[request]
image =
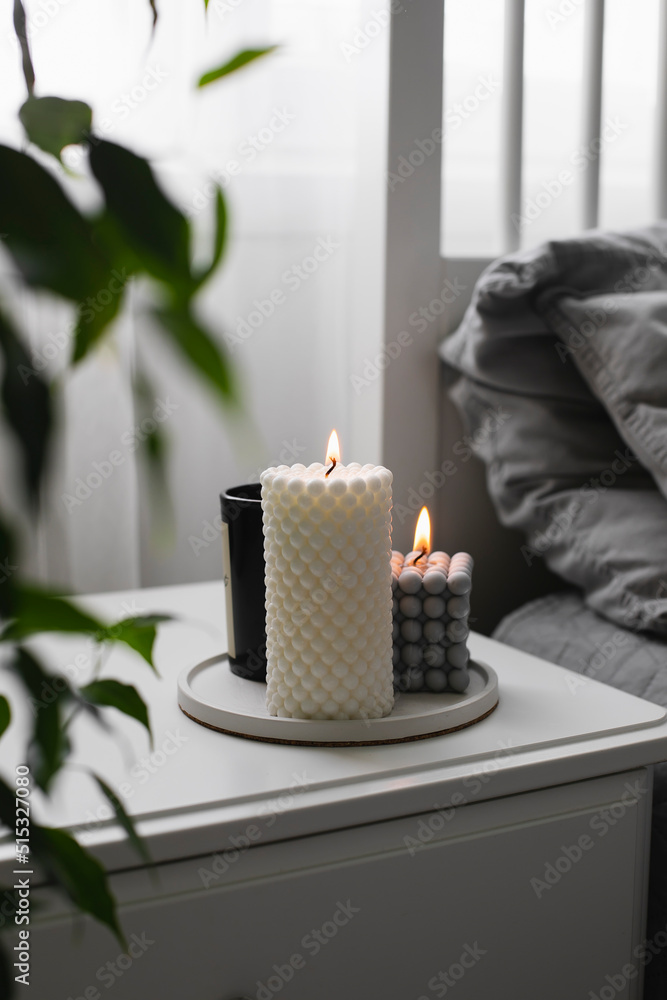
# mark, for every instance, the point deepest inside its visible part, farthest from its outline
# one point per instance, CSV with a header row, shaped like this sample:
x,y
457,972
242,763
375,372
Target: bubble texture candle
x,y
431,607
327,547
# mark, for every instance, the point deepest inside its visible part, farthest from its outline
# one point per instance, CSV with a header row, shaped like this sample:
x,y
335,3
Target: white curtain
x,y
297,141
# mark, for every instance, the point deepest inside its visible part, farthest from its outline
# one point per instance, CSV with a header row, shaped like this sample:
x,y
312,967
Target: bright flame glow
x,y
333,449
423,532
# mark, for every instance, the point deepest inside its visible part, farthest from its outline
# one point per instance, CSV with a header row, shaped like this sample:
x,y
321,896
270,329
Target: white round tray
x,y
212,695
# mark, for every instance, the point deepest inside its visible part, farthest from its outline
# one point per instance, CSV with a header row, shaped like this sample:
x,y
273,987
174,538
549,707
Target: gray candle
x,y
431,607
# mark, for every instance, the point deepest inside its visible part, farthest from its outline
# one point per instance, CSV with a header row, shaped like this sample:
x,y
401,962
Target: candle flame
x,y
423,532
333,448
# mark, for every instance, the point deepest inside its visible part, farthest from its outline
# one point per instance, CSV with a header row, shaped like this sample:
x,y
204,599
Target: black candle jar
x,y
245,591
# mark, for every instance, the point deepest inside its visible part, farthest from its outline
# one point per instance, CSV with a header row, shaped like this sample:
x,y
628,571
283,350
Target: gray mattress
x,y
562,629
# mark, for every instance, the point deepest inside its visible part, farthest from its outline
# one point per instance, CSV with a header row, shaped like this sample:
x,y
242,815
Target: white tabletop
x,y
200,786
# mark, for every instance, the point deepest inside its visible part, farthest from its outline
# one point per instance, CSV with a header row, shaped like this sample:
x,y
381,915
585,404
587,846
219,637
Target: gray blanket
x,y
561,629
571,340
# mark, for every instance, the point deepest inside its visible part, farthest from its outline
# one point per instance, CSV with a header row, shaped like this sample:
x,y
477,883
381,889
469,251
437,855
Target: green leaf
x,y
38,610
49,239
124,697
146,621
53,123
7,573
77,872
220,240
239,60
42,611
109,235
138,633
94,320
7,984
199,348
124,820
154,443
39,684
54,246
49,744
157,232
47,690
22,35
97,311
7,805
27,406
155,448
5,714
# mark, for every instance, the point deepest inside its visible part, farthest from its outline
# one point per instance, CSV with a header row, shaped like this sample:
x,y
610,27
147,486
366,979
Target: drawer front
x,y
537,895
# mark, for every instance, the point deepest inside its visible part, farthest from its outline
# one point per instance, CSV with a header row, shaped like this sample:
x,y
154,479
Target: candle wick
x,y
329,471
417,558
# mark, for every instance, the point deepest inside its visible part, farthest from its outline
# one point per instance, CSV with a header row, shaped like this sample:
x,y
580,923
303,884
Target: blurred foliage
x,y
53,123
237,62
89,261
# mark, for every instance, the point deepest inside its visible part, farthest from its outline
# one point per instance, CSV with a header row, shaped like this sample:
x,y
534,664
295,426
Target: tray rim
x,y
353,732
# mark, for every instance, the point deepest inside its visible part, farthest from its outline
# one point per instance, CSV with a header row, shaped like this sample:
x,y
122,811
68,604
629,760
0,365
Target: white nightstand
x,y
507,860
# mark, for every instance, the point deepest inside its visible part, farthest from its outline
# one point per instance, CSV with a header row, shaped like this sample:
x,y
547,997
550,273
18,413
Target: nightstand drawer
x,y
473,897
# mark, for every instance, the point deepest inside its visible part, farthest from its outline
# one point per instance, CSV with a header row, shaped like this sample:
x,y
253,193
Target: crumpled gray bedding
x,y
570,340
562,629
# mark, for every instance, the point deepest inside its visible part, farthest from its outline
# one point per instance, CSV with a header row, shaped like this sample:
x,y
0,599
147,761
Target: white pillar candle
x,y
327,547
